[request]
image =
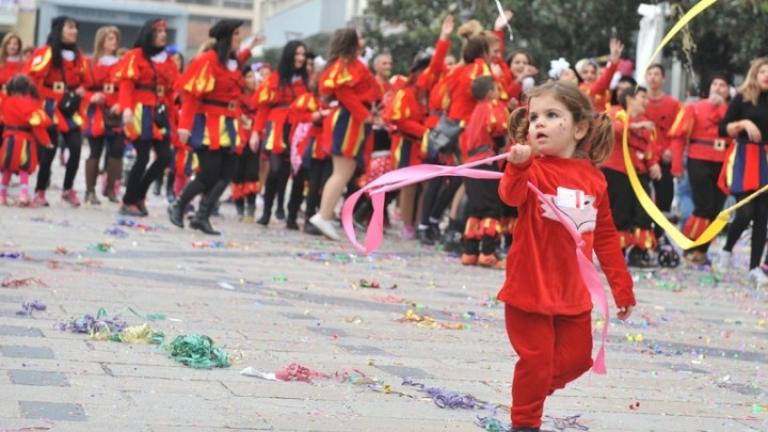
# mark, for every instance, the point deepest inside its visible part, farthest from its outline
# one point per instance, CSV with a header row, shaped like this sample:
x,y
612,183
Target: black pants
x,y
247,168
438,194
297,193
319,172
483,196
277,180
757,213
664,191
627,211
708,199
215,166
113,143
141,177
72,141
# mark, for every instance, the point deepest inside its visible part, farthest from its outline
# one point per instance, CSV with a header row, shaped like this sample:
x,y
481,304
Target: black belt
x,y
718,144
18,128
230,105
477,150
159,90
106,88
58,86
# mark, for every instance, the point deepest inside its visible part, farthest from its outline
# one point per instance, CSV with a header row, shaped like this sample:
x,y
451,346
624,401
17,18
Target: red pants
x,y
553,350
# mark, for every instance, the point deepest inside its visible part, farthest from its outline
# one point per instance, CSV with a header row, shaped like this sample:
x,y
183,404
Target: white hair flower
x,y
556,67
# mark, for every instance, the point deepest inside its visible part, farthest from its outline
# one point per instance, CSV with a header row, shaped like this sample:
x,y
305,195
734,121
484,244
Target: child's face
x,y
551,131
494,94
638,103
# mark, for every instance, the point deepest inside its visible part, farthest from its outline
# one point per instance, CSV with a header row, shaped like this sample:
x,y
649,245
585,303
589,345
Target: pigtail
x,y
518,126
600,138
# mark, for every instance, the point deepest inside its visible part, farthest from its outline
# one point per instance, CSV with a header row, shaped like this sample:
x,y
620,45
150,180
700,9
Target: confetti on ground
x,y
61,250
12,254
198,351
98,326
429,322
130,223
116,232
30,306
104,247
23,282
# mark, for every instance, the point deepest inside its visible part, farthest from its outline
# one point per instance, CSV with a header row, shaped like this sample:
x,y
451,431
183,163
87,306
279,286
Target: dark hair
x,y
146,38
517,53
658,66
344,44
181,56
222,31
54,38
721,76
625,79
481,86
475,47
286,68
630,92
597,143
21,85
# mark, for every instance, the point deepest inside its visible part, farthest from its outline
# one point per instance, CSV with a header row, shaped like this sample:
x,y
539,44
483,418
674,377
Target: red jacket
x,y
311,144
696,127
272,101
352,84
26,126
487,124
9,69
103,81
598,91
662,112
642,145
142,82
542,270
459,89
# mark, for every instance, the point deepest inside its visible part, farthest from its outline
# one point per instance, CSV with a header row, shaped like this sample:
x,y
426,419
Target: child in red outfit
x,y
25,127
548,306
484,135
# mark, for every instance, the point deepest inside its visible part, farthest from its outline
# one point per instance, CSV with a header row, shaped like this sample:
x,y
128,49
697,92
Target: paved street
x,y
694,357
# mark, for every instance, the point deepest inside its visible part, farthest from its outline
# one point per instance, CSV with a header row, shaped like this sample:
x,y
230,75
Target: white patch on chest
x,y
575,205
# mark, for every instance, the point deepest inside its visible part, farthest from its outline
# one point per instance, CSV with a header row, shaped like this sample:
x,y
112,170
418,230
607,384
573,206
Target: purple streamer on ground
x,y
28,307
448,399
92,324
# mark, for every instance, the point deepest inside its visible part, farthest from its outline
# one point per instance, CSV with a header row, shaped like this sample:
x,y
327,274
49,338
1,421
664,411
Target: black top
x,y
739,109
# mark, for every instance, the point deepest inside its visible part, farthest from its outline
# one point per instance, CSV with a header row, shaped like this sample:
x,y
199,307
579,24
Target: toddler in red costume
x,y
559,139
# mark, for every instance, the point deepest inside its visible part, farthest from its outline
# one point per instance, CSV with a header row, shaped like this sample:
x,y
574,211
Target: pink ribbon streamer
x,y
400,178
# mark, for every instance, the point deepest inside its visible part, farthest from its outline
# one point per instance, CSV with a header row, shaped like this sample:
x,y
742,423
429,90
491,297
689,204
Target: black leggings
x,y
708,199
319,171
664,192
247,169
141,177
72,141
215,166
757,213
114,144
438,195
279,172
625,207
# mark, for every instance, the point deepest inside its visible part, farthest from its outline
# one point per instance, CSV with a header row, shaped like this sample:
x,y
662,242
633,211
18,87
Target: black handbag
x,y
444,138
69,104
160,115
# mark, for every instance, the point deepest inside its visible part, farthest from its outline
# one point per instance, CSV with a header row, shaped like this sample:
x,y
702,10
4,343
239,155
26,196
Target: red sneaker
x,y
70,196
40,200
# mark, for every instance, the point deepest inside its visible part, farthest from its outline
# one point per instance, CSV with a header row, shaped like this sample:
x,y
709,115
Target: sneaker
x,y
291,225
468,260
280,214
130,210
426,235
408,232
724,261
311,229
40,200
452,241
758,277
142,206
325,227
24,200
70,196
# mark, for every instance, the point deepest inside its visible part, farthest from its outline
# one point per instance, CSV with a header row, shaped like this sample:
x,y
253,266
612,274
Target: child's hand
x,y
625,312
519,154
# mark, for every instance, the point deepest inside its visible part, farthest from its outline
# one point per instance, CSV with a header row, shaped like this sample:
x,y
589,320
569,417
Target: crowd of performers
x,y
225,122
330,126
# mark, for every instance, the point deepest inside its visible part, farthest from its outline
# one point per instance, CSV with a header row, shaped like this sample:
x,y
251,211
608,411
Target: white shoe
x,y
325,227
724,261
758,276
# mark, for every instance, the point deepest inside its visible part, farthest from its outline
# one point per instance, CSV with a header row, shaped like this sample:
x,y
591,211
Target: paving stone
x,y
38,378
9,330
326,331
26,352
365,350
405,372
52,411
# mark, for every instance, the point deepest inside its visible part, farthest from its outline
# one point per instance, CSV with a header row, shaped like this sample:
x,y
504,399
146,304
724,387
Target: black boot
x,y
240,207
201,220
290,223
176,214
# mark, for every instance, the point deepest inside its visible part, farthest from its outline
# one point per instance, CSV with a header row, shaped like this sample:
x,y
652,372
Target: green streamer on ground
x,y
198,351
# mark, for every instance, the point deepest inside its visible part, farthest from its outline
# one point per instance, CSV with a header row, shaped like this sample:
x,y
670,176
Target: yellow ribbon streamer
x,y
713,229
700,7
